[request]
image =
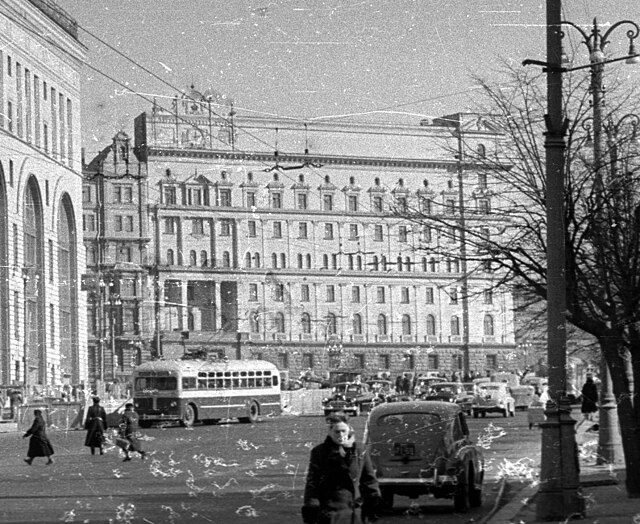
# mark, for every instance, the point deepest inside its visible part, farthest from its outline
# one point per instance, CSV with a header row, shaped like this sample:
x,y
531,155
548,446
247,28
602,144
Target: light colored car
x,y
423,448
493,397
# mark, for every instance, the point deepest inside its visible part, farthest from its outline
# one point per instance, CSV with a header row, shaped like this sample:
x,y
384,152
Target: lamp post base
x,y
609,439
559,497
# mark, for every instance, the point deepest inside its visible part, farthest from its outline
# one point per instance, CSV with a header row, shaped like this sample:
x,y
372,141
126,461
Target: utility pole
x,y
559,495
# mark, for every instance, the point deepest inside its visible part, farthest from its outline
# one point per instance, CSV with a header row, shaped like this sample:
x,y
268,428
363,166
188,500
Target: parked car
x,y
493,397
423,448
350,397
382,390
423,384
450,392
466,397
523,396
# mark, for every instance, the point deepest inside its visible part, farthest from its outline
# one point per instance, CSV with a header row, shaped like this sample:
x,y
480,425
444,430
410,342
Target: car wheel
x,y
505,412
475,493
387,498
254,412
461,501
484,414
145,424
189,416
475,413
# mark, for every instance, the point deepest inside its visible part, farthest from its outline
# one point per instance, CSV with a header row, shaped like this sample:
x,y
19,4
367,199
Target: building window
x,y
455,325
450,206
86,194
429,296
302,230
169,226
170,257
331,293
89,222
382,324
482,180
305,323
277,230
276,200
307,361
195,196
357,324
359,360
123,254
352,203
226,259
491,362
328,231
224,197
384,361
253,292
332,324
404,295
304,293
380,295
488,296
251,199
378,235
406,325
225,227
252,229
278,293
274,260
484,206
327,202
278,323
481,150
193,258
203,258
353,231
377,204
170,195
431,325
302,201
283,360
488,326
355,294
427,235
123,194
433,362
197,226
119,222
453,295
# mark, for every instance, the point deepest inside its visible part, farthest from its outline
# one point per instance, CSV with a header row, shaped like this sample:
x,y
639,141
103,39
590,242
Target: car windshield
x,y
442,388
353,389
491,388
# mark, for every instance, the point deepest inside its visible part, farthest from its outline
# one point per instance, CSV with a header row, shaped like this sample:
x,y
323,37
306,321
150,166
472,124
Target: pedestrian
x,y
95,425
128,429
589,398
341,486
39,445
399,384
15,401
406,385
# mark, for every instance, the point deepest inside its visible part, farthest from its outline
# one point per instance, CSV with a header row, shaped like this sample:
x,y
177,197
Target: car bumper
x,y
439,481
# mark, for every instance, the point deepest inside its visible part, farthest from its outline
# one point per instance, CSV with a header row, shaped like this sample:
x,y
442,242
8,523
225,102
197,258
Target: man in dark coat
x,y
589,398
128,429
95,425
39,445
341,486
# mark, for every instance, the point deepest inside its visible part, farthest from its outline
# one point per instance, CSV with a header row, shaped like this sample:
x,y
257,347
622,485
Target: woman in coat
x,y
589,398
39,445
341,486
95,425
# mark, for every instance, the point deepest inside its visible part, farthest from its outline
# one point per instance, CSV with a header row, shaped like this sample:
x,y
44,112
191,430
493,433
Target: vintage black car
x,y
349,397
423,448
450,392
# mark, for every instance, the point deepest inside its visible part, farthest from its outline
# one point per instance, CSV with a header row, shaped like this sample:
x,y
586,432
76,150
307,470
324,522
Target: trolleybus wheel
x,y
254,413
189,416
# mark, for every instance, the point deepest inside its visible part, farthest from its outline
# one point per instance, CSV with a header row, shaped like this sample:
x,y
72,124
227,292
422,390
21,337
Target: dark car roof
x,y
443,409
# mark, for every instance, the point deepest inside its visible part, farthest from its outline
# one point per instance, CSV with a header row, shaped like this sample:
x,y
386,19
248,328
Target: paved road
x,y
223,474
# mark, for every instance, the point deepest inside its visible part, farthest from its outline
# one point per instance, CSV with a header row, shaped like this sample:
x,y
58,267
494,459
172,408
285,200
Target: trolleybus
x,y
190,391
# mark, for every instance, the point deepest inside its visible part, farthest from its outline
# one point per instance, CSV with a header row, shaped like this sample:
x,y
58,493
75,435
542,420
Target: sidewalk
x,y
606,500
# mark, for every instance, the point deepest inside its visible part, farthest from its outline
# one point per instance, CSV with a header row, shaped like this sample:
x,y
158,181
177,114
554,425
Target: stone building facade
x,y
310,244
42,321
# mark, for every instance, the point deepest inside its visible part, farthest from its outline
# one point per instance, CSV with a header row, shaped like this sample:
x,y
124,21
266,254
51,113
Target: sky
x,y
309,59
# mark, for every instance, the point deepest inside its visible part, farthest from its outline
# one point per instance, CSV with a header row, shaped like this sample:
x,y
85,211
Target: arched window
x,y
256,259
247,261
191,321
383,263
300,261
226,259
305,322
274,260
407,263
399,263
193,258
382,324
332,324
283,260
374,263
170,259
481,150
359,260
357,324
425,267
433,265
325,261
278,322
350,262
455,326
488,326
431,325
406,325
203,259
334,261
254,322
308,261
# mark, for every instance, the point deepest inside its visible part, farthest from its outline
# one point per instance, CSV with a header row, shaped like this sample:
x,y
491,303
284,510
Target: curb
x,y
496,504
506,513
